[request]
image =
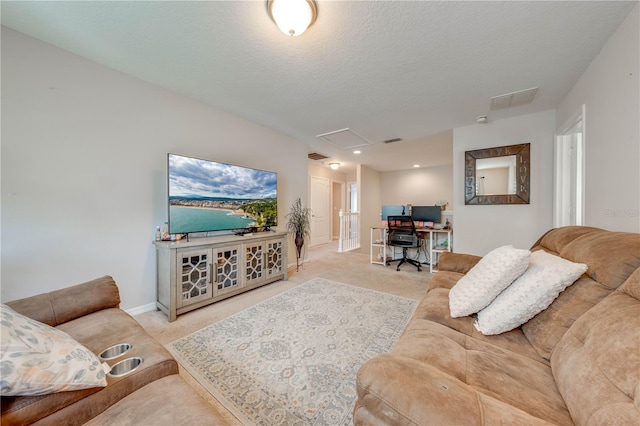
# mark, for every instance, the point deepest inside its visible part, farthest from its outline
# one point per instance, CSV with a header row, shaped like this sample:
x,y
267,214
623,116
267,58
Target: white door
x,y
320,211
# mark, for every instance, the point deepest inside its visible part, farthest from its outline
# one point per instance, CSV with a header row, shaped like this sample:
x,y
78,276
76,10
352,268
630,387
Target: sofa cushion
x,y
530,294
38,359
435,307
611,256
556,239
597,362
457,262
148,406
413,393
433,371
492,274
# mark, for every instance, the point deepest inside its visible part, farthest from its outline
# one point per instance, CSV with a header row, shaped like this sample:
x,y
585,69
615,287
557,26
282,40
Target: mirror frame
x,y
522,153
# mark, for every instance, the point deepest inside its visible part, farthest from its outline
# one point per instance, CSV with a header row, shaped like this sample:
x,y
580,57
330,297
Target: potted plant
x,y
442,204
299,225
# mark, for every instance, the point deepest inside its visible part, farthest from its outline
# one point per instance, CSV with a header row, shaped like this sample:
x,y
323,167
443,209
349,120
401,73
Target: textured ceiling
x,y
384,69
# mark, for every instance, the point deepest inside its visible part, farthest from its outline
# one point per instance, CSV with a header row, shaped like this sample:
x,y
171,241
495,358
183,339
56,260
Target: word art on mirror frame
x,y
517,188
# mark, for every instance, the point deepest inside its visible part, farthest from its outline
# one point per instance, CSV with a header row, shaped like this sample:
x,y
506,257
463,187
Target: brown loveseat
x,y
577,362
152,394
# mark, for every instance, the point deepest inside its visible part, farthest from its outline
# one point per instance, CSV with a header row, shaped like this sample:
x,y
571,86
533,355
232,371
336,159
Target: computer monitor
x,y
393,211
426,214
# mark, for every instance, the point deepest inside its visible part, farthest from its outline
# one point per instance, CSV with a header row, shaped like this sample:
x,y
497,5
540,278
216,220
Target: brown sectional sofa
x,y
577,362
153,394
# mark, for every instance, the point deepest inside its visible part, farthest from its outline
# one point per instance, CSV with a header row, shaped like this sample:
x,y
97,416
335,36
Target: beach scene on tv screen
x,y
210,196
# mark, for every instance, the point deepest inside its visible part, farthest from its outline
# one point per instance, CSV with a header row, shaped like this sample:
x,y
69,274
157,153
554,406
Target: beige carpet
x,y
322,261
292,359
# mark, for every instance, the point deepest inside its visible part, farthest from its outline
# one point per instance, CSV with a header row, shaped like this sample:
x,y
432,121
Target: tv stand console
x,y
195,273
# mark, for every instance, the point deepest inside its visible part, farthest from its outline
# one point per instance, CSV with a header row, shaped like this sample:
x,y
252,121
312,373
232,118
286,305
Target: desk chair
x,y
402,233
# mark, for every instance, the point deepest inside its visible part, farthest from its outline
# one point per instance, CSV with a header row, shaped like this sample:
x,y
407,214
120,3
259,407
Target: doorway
x,y
320,202
569,185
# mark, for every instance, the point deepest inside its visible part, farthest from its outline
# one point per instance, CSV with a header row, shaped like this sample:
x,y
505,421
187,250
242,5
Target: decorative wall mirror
x,y
497,175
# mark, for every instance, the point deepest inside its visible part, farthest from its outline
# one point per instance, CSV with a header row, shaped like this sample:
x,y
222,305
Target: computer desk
x,y
433,239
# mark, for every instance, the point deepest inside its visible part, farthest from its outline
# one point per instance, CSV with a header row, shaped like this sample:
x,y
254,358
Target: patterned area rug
x,y
292,359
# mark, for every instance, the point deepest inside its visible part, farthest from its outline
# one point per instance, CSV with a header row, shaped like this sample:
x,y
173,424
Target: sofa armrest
x,y
457,262
60,306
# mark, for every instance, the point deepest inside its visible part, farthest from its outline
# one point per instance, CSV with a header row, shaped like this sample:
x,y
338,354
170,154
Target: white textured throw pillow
x,y
492,274
37,359
532,293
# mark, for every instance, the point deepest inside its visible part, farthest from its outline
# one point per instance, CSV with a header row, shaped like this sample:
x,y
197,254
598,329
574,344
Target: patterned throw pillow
x,y
37,359
532,293
484,282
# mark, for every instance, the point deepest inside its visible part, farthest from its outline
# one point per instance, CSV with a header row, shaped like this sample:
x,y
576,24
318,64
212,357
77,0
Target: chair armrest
x,y
60,306
457,262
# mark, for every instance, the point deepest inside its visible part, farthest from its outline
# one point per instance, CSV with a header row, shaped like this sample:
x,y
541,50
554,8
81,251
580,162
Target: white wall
x,y
479,229
370,202
610,91
84,168
419,187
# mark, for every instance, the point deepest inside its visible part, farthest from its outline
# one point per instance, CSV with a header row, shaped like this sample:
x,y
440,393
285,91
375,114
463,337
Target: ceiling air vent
x,y
316,156
513,99
392,140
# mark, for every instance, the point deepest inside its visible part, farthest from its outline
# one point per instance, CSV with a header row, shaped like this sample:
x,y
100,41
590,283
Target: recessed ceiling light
x,y
357,151
416,165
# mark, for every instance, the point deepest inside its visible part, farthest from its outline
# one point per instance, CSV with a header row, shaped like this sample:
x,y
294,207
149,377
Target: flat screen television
x,y
426,214
208,196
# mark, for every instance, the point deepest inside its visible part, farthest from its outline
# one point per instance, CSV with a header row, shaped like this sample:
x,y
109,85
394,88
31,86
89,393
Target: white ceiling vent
x,y
513,99
345,139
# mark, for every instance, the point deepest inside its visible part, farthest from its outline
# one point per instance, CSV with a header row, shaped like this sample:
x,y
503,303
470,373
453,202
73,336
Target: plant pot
x,y
299,241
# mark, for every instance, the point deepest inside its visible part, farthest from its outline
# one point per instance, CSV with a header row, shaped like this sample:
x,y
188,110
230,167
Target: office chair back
x,y
402,231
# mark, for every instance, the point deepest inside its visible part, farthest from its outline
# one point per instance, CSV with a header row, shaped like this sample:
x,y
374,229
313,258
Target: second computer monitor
x,y
426,214
393,211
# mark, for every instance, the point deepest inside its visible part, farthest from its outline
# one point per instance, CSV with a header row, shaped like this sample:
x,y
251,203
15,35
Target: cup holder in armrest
x,y
114,351
125,366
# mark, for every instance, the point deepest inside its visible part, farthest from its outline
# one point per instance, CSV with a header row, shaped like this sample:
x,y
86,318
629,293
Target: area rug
x,y
292,359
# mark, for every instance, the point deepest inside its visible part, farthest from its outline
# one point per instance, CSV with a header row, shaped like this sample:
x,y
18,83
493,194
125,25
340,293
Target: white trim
x,y
340,207
141,309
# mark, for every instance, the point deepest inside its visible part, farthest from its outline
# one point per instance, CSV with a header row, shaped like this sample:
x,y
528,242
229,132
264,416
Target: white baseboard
x,y
141,309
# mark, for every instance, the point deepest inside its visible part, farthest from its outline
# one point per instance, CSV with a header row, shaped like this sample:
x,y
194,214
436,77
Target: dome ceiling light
x,y
293,17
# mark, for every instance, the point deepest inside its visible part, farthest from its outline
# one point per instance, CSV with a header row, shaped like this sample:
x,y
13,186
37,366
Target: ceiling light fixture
x,y
334,166
293,17
357,151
